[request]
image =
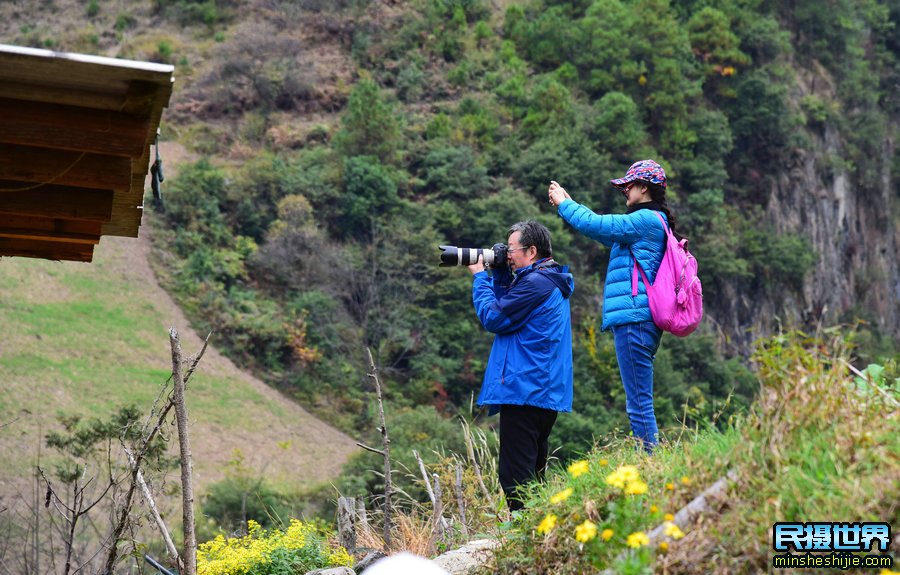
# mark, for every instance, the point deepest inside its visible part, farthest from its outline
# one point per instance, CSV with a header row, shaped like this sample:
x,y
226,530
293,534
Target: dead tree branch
x,y
187,488
388,520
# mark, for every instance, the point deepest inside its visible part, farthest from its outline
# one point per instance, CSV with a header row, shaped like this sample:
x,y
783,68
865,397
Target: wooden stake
x,y
347,523
460,500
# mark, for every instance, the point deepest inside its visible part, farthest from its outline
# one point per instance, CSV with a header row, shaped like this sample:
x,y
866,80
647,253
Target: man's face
x,y
518,255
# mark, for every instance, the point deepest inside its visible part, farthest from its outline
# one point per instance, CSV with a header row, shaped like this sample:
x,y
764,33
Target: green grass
x,y
88,339
817,446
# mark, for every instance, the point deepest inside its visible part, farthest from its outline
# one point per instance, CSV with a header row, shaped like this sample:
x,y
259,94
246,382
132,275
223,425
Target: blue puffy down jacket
x,y
531,358
638,233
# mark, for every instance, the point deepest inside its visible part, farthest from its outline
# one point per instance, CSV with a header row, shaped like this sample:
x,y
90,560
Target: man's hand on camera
x,y
477,266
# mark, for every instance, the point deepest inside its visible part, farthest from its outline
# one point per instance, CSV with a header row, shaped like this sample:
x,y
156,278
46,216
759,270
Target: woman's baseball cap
x,y
644,170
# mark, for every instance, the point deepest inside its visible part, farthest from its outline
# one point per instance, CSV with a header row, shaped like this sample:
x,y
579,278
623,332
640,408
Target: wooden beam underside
x,y
58,202
46,250
75,146
50,229
71,128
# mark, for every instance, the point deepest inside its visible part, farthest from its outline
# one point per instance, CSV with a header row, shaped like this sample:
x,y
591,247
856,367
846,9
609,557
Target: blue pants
x,y
636,345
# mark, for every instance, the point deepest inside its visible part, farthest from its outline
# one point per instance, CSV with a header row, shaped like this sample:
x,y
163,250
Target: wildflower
x,y
637,539
664,546
635,487
547,524
561,496
685,480
669,517
670,486
578,468
586,531
672,530
607,534
604,462
624,474
654,509
728,71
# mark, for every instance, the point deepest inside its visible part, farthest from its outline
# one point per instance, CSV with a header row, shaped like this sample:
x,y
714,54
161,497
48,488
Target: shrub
x,y
297,549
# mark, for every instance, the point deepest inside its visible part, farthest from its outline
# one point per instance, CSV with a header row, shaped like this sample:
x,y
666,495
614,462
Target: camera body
x,y
455,256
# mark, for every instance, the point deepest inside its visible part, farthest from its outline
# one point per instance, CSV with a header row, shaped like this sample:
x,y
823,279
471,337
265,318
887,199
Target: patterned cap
x,y
646,171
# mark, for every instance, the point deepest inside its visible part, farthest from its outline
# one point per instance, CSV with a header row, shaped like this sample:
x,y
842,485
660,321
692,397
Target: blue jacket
x,y
531,359
638,233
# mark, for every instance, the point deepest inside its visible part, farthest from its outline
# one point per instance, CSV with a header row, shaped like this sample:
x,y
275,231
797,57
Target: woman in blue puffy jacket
x,y
634,237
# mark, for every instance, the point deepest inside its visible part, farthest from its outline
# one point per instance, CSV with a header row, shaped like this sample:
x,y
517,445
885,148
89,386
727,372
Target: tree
x,y
370,124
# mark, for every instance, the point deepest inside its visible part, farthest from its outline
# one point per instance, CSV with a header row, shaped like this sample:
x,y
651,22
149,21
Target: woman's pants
x,y
636,345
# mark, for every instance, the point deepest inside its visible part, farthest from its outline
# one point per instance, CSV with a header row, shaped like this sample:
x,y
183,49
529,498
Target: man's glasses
x,y
515,249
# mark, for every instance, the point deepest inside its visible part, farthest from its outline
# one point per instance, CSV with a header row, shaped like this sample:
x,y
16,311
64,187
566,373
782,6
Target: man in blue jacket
x,y
529,374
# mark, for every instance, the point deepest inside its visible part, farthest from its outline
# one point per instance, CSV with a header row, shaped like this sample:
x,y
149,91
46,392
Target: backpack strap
x,y
634,272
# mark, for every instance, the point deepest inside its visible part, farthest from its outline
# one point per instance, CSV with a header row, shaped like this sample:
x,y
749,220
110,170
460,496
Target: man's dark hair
x,y
533,234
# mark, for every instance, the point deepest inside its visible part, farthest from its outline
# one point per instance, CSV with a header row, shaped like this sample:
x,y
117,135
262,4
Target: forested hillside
x,y
341,142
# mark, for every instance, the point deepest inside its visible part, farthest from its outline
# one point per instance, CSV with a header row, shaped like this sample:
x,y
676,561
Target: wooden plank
x,y
52,93
124,222
58,202
26,166
78,70
46,250
50,229
72,128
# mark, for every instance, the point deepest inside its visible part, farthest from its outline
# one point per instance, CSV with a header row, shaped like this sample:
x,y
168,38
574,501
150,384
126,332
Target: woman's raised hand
x,y
557,193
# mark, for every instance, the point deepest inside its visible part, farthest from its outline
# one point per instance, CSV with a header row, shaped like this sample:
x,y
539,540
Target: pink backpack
x,y
676,299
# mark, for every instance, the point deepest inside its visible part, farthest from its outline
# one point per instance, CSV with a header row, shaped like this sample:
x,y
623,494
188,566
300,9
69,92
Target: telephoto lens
x,y
454,256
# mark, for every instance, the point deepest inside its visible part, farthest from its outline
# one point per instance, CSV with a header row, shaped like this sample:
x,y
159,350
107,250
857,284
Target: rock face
x,y
851,217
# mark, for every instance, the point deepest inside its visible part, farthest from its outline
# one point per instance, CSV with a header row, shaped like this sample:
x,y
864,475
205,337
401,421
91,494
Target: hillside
x,y
334,145
87,339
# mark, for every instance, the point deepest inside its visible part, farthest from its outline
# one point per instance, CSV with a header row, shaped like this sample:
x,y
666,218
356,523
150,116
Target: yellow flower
x,y
685,480
664,546
604,463
637,539
888,572
607,534
637,487
629,472
669,517
615,479
586,531
547,525
578,468
561,496
670,486
672,530
642,80
654,509
624,476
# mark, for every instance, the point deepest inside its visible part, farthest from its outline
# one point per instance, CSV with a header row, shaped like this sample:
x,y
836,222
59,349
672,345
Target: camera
x,y
454,256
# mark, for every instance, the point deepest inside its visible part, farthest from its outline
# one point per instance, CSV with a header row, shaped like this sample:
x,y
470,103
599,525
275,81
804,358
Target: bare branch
x,y
372,449
145,489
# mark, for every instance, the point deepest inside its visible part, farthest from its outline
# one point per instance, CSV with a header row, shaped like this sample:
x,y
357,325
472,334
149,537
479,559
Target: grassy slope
x,y
88,338
817,446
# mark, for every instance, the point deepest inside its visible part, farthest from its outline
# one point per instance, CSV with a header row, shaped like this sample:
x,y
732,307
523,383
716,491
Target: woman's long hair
x,y
658,195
